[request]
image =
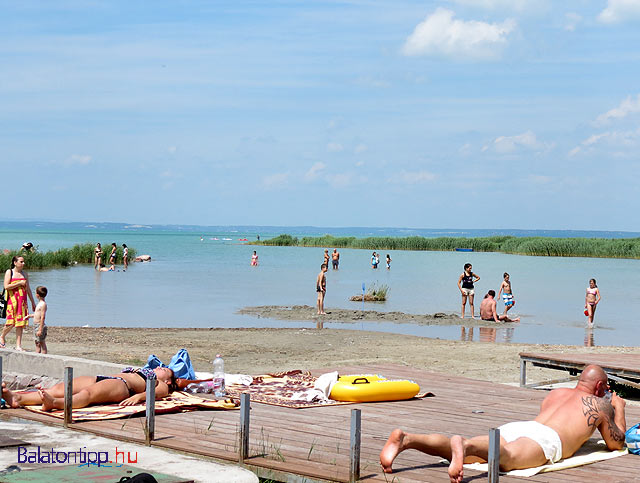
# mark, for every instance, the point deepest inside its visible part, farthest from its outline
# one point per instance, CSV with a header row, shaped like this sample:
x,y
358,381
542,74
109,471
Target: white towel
x,y
589,453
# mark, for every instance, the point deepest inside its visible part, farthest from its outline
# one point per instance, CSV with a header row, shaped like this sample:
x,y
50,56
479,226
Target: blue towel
x,y
180,364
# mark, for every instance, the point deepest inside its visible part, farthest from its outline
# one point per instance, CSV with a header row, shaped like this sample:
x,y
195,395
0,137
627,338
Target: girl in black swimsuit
x,y
467,289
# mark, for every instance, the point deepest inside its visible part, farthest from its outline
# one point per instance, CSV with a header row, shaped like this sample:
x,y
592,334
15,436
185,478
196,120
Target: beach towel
x,y
176,402
180,364
293,389
591,452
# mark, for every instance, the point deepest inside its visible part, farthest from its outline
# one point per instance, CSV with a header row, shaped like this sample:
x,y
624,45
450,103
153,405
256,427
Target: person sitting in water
x,y
102,268
567,419
488,309
126,388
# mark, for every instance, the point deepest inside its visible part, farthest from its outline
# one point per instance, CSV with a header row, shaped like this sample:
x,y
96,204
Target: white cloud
x,y
360,148
619,11
412,177
77,160
616,140
510,144
276,180
335,147
572,21
315,171
172,149
626,107
359,164
440,34
517,5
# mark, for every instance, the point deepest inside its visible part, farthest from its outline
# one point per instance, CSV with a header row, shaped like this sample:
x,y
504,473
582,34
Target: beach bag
x,y
632,438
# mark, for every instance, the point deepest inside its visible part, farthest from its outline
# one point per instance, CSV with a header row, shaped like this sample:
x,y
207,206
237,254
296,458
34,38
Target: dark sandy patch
x,y
308,313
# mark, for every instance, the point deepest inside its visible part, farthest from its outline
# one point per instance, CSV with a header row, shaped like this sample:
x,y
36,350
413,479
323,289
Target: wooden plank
x,y
313,443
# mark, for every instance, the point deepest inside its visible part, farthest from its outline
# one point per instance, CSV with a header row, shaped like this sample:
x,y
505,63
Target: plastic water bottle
x,y
218,377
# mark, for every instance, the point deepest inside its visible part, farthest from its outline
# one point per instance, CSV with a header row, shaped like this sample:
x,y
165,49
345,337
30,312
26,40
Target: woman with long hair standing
x,y
16,283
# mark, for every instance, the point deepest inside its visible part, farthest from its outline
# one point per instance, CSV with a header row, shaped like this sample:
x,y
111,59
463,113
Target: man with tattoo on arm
x,y
567,419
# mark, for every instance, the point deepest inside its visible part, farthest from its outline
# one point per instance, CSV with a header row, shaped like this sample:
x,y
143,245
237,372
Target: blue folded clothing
x,y
180,364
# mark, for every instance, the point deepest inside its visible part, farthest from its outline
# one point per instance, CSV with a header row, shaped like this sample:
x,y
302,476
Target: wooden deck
x,y
313,444
623,368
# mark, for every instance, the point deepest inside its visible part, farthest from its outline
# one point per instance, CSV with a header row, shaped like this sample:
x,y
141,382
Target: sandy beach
x,y
257,351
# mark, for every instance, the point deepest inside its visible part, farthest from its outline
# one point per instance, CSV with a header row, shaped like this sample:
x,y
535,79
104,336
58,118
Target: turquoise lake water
x,y
202,283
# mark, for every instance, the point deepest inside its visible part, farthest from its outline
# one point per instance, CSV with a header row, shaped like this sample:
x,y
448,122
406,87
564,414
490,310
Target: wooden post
x,y
494,455
68,395
354,456
245,408
150,426
523,373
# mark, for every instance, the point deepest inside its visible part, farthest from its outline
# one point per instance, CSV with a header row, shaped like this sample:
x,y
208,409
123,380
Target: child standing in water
x,y
388,262
254,259
591,300
507,294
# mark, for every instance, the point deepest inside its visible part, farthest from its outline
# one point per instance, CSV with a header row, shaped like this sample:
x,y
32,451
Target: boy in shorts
x,y
39,329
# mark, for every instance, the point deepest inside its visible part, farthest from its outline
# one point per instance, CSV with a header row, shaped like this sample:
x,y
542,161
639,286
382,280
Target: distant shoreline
x,y
628,248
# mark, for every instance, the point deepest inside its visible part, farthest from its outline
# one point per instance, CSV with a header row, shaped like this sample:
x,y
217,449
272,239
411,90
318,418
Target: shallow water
x,y
202,283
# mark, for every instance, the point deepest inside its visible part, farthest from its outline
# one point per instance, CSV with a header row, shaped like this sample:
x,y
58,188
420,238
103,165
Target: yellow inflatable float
x,y
372,387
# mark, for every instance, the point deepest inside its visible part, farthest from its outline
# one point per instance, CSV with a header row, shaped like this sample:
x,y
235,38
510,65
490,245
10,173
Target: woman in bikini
x,y
127,388
591,300
16,283
112,257
98,256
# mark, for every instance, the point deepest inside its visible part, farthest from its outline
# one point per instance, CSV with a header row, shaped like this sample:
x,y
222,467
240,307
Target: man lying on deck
x,y
126,388
567,419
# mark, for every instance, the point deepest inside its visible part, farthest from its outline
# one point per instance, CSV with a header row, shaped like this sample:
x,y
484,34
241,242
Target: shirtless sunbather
x,y
488,309
567,419
126,388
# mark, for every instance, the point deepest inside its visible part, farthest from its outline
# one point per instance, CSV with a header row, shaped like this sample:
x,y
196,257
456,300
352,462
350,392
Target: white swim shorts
x,y
468,291
546,437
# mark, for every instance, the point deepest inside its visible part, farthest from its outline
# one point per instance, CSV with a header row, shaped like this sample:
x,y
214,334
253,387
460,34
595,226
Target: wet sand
x,y
258,351
308,313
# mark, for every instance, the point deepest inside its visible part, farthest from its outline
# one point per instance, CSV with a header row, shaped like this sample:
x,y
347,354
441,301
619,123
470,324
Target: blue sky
x,y
435,114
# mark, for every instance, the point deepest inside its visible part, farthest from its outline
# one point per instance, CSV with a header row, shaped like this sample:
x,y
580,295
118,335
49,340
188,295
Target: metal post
x,y
494,455
0,369
523,373
245,407
68,395
354,457
150,426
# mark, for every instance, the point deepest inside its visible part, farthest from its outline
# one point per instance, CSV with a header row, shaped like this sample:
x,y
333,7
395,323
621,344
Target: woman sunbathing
x,y
127,388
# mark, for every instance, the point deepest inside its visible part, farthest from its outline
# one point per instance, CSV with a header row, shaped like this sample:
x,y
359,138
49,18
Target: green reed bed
x,y
535,246
63,257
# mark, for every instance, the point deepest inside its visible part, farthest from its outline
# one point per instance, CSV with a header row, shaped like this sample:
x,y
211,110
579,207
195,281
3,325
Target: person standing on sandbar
x,y
321,288
468,278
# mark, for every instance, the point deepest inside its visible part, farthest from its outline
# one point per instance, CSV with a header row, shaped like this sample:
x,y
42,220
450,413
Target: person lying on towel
x,y
567,419
126,388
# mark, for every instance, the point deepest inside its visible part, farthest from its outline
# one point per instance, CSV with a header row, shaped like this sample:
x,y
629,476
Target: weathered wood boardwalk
x,y
314,443
624,368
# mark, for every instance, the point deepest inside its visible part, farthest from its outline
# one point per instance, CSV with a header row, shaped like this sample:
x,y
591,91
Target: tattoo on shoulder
x,y
591,410
594,408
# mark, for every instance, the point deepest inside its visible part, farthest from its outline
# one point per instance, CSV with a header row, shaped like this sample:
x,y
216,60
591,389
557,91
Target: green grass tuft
x,y
64,257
